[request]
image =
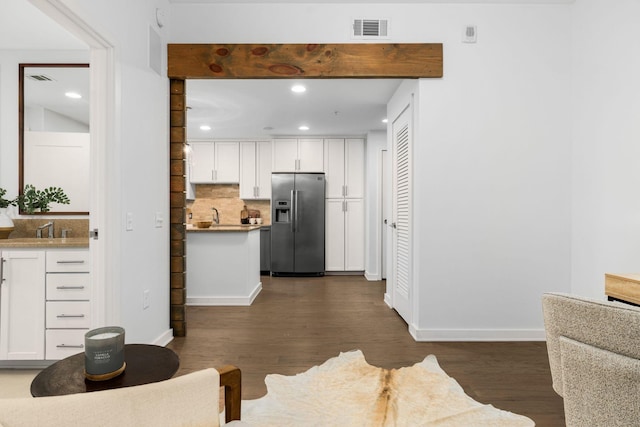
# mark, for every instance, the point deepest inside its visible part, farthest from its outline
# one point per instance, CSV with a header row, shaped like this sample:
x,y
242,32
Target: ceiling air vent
x,y
40,77
370,28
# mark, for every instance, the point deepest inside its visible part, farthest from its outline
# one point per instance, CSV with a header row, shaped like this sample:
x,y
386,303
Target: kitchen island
x,y
223,265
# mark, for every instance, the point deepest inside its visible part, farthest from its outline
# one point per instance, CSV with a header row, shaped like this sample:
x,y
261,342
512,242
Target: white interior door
x,y
401,209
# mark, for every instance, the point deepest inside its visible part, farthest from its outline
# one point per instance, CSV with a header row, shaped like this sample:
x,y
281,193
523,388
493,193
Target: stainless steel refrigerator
x,y
297,223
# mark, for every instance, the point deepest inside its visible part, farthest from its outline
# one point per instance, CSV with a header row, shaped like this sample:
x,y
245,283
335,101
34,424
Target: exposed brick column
x,y
177,203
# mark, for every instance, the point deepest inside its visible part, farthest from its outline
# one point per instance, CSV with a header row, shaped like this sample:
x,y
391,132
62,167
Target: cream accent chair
x,y
594,355
188,400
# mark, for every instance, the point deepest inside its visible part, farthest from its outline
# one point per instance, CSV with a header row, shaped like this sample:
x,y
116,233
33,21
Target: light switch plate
x,y
129,221
159,220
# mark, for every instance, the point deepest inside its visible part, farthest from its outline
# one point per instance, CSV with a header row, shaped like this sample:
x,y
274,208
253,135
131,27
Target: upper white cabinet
x,y
298,155
22,310
344,167
215,162
255,170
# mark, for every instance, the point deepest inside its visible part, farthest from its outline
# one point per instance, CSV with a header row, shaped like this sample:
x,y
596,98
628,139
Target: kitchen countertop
x,y
30,242
224,227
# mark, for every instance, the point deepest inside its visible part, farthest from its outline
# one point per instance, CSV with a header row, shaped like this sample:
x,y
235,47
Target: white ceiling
x,y
233,108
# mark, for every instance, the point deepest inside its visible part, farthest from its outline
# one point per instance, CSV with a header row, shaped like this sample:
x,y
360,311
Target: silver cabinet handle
x,y
393,225
67,316
70,346
70,262
69,287
2,279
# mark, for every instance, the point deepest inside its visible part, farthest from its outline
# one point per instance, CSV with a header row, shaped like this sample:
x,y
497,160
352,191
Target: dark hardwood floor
x,y
296,323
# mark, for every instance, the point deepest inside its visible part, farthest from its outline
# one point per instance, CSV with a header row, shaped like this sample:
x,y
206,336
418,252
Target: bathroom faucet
x,y
48,225
216,216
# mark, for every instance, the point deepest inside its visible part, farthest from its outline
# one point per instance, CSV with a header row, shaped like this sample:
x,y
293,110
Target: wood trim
x,y
177,203
363,60
231,380
272,61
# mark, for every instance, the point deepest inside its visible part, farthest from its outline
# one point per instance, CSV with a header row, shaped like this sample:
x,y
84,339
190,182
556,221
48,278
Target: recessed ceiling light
x,y
205,127
303,128
298,88
384,120
73,95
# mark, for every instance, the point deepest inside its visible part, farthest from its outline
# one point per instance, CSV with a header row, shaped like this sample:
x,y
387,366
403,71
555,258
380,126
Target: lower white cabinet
x,y
44,303
344,235
68,303
22,294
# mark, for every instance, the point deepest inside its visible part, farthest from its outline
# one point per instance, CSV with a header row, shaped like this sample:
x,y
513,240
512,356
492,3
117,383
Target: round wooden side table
x,y
145,364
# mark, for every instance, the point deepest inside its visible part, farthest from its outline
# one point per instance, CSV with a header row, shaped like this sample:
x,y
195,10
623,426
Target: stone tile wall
x,y
27,227
226,199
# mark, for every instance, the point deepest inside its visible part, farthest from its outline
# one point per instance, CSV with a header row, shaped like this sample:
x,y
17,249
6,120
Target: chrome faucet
x,y
216,216
48,225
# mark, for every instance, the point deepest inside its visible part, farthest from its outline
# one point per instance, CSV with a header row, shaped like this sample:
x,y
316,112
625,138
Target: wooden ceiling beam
x,y
362,60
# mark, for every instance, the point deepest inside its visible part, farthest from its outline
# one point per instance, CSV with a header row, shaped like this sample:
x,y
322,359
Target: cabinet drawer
x,y
61,343
68,286
68,314
67,261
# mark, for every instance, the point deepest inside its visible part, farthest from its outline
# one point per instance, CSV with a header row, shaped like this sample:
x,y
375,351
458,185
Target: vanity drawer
x,y
68,314
67,261
61,343
68,286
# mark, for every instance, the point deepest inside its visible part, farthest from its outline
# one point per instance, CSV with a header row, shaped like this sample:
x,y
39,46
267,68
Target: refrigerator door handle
x,y
292,212
295,210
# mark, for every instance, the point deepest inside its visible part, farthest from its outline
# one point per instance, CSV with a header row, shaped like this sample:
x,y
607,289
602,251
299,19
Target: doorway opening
x,y
274,61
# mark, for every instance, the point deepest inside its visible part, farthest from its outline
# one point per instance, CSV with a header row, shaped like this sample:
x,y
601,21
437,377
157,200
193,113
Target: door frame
x,y
267,61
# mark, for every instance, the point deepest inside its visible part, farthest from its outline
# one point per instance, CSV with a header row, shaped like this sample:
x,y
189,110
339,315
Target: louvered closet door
x,y
401,215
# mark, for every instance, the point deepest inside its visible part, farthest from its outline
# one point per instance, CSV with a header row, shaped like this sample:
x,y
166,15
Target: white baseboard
x,y
387,300
422,335
372,277
226,301
165,338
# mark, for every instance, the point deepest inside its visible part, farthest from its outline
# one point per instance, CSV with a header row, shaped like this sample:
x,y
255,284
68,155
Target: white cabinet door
x,y
344,167
202,163
285,155
263,170
310,155
354,235
334,167
255,170
22,296
247,170
354,168
334,235
227,163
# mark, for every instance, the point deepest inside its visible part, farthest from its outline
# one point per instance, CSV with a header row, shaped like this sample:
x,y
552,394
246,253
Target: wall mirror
x,y
54,141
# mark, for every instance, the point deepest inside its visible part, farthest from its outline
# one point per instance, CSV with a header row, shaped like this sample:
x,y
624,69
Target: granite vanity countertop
x,y
30,242
224,227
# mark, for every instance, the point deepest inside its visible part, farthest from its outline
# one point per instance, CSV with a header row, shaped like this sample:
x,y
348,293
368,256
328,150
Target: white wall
x,y
606,148
492,151
139,157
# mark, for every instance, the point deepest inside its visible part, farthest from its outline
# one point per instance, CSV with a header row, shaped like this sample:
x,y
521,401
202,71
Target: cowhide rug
x,y
347,391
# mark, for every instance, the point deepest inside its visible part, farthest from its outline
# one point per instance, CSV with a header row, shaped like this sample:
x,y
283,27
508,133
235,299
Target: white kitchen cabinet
x,y
298,155
344,166
68,302
344,235
22,309
255,170
215,162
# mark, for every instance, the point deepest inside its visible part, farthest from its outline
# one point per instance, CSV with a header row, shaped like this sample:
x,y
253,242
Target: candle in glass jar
x,y
104,353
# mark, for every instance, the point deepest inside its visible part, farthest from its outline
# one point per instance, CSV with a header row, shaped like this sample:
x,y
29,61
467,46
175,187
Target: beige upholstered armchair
x,y
188,400
594,354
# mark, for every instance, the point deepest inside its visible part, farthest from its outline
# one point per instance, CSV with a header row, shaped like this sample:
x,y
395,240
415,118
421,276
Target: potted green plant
x,y
6,223
33,200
